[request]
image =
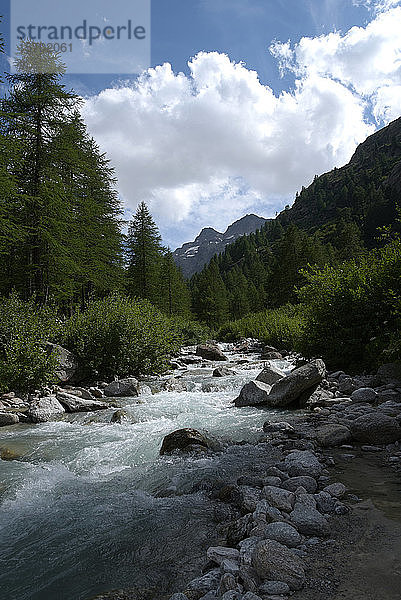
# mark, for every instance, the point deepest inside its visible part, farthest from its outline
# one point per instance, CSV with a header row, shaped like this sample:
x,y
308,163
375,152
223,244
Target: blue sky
x,y
246,123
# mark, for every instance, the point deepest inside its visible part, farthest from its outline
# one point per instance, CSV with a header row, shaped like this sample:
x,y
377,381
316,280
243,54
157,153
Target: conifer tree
x,y
175,298
145,253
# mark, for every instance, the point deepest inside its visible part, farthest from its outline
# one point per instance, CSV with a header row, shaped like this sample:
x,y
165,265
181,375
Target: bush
x,y
24,328
121,336
354,311
280,327
192,332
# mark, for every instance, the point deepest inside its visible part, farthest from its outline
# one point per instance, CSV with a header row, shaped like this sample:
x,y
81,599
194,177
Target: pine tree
x,y
145,254
174,297
210,299
63,198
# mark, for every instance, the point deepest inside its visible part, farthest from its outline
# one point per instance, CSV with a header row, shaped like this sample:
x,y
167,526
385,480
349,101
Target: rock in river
x,y
74,404
271,560
45,409
210,352
183,439
270,375
253,393
8,418
291,388
124,388
376,428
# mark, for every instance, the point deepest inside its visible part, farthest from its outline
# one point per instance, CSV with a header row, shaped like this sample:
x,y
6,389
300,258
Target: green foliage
x,y
119,336
58,208
280,327
354,310
25,364
192,332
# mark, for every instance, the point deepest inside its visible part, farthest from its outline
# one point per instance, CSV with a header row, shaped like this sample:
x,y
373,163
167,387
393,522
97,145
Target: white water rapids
x,y
90,506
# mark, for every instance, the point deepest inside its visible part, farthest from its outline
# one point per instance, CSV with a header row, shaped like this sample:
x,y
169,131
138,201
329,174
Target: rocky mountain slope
x,y
192,256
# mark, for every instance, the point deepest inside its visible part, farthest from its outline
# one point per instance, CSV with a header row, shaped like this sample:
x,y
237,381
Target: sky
x,y
244,102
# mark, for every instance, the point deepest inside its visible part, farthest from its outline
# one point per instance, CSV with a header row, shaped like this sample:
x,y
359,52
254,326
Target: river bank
x,y
103,510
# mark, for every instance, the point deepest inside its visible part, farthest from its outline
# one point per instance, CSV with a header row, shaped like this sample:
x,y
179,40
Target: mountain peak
x,y
192,256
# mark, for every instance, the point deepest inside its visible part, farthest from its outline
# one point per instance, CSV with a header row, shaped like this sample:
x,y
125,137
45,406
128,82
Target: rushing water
x,y
90,506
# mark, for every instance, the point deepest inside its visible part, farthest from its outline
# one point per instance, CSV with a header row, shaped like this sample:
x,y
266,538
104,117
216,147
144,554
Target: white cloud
x,y
204,149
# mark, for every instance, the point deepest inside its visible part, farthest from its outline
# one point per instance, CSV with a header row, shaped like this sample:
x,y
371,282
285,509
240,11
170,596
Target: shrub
x,y
121,336
192,332
354,311
280,327
24,328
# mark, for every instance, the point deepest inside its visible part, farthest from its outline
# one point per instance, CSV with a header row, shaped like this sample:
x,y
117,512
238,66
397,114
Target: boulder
x,y
390,373
253,393
120,417
123,388
271,560
8,418
223,372
201,585
45,409
74,404
283,533
376,428
277,426
274,355
332,434
270,375
337,490
279,498
274,588
173,384
67,366
289,389
308,520
219,553
308,483
183,439
210,352
302,462
365,395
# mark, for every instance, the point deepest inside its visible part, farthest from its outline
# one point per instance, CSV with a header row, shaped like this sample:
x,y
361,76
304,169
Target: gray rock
x,y
325,502
247,548
276,562
274,426
270,375
376,428
80,392
173,384
45,409
288,390
337,490
250,596
183,439
367,395
332,434
292,484
253,393
223,372
74,404
124,388
232,595
210,352
178,596
120,417
219,553
390,373
303,462
229,566
67,366
227,583
275,588
283,533
8,418
201,585
279,498
309,521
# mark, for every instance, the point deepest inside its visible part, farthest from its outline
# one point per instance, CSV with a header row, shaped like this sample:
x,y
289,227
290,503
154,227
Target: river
x,y
90,506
